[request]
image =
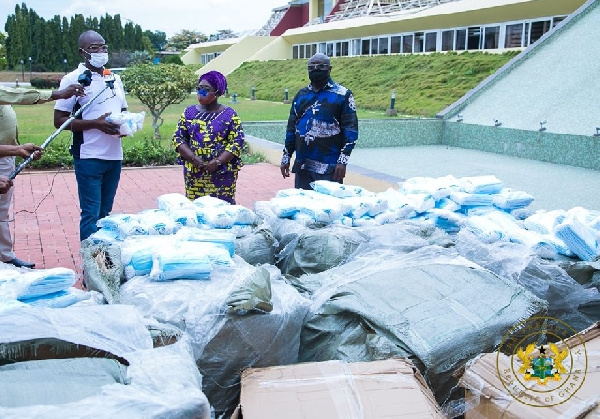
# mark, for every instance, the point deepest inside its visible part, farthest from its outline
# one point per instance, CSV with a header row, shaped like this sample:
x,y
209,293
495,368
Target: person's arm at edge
x,y
290,140
349,127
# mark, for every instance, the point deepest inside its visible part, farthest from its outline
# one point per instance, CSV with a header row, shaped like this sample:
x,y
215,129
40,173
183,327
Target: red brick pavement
x,y
45,211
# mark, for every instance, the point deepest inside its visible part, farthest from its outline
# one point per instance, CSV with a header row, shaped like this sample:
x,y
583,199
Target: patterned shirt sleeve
x,y
349,127
181,136
290,133
235,137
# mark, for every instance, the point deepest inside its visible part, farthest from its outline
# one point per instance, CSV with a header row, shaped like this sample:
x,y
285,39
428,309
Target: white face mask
x,y
98,59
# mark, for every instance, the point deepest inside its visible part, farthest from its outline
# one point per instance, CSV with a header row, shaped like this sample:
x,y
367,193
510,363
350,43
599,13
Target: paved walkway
x,y
45,212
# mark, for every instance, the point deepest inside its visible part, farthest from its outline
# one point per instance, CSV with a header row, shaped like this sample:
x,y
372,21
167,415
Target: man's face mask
x,y
318,73
98,59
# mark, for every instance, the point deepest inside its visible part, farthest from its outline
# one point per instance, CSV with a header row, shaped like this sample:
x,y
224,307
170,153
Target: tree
x,y
185,38
2,51
158,86
157,38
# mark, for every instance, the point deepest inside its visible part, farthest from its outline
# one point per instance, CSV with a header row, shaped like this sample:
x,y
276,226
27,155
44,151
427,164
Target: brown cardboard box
x,y
575,396
391,388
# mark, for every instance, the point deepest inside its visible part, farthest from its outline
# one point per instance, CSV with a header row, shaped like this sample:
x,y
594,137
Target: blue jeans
x,y
97,183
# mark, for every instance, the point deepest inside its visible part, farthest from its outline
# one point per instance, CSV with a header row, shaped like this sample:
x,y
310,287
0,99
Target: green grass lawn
x,y
36,122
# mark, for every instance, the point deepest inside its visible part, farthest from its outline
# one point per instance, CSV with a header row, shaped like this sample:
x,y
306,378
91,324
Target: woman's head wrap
x,y
216,80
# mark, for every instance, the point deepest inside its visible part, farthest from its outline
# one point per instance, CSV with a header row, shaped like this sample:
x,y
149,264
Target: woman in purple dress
x,y
209,139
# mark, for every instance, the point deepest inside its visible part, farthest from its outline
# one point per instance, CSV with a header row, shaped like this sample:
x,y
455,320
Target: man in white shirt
x,y
96,149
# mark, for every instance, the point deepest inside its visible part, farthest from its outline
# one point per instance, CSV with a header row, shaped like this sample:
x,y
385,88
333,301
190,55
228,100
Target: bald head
x,y
90,38
319,58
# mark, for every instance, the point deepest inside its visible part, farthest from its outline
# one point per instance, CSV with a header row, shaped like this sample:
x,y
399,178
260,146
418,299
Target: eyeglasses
x,y
318,67
97,47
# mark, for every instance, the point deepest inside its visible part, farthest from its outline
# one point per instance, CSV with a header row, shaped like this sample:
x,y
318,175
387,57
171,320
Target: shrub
x,y
46,82
148,153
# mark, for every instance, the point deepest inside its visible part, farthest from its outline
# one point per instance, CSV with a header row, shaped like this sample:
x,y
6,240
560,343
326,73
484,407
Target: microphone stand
x,y
29,159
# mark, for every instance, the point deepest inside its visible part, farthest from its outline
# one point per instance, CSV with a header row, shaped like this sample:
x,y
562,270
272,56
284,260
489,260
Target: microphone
x,y
109,79
85,78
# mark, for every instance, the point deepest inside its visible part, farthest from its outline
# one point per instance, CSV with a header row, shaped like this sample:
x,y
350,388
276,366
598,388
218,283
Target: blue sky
x,y
169,16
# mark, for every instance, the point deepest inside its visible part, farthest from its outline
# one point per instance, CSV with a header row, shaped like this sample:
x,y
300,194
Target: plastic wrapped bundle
x,y
184,216
322,211
224,238
364,221
104,235
59,299
157,222
36,283
447,220
240,214
487,184
136,253
484,228
509,199
123,375
589,217
172,264
124,224
224,342
283,193
472,199
129,122
419,305
338,190
214,217
172,201
209,201
437,187
420,202
284,207
578,237
544,221
447,204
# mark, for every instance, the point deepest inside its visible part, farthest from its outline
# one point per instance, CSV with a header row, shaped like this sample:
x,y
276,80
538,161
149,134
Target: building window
x,y
474,38
447,40
430,42
407,44
514,36
366,46
557,20
294,52
374,46
356,47
345,45
538,29
490,37
461,39
419,42
396,44
329,52
322,48
384,45
313,49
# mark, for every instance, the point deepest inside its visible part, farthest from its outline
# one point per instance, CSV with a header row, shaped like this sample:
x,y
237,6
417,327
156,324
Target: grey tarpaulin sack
x,y
254,292
102,269
258,247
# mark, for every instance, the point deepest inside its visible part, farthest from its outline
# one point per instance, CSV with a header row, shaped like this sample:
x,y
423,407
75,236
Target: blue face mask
x,y
203,92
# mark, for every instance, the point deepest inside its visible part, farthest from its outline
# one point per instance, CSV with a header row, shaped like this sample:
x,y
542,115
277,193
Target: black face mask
x,y
318,77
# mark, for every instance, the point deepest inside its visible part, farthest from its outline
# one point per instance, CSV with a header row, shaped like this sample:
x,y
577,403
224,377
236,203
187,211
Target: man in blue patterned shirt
x,y
322,128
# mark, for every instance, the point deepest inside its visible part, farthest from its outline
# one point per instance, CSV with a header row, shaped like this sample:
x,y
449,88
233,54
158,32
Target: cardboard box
x,y
577,395
391,388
